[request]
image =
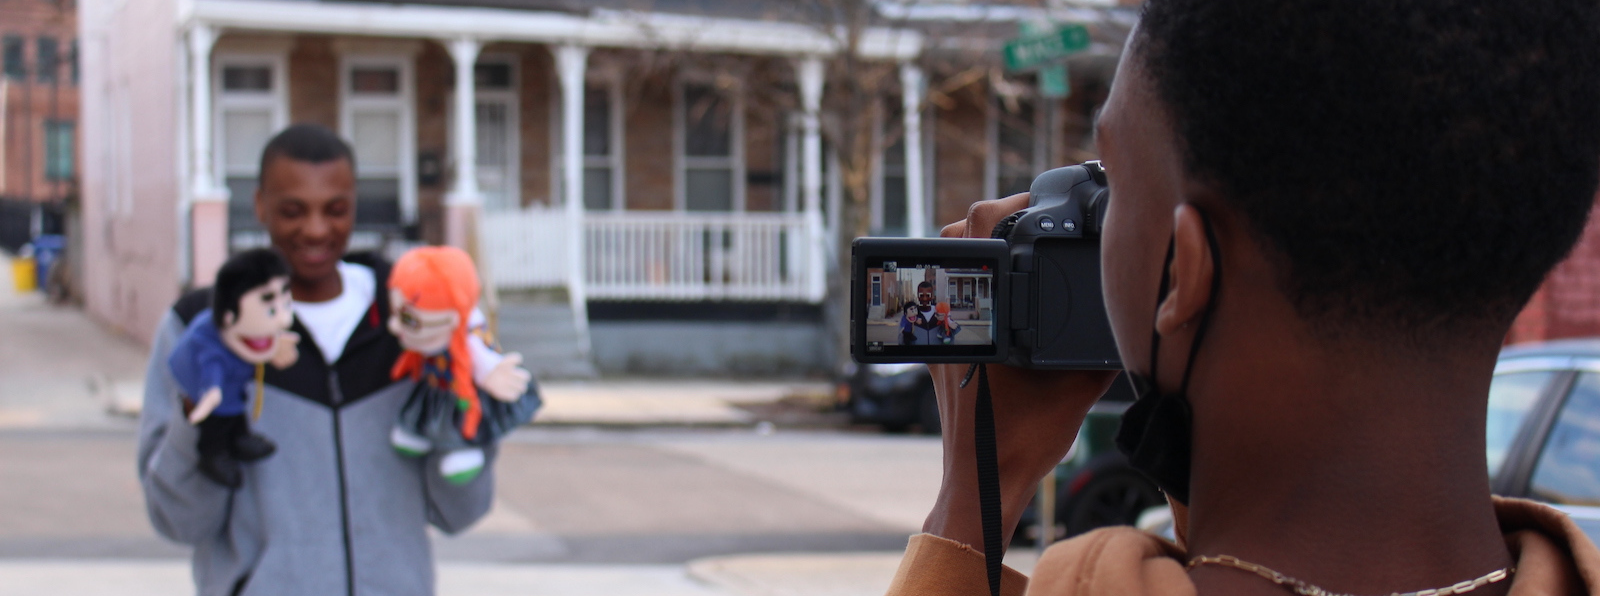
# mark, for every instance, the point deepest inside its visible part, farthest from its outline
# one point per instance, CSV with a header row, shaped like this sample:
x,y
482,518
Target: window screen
x,y
48,59
16,68
247,79
58,150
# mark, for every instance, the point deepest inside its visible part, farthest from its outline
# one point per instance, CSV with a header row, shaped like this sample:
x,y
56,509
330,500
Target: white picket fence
x,y
655,256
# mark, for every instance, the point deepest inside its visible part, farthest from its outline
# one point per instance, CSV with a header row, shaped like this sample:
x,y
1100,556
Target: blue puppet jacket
x,y
201,361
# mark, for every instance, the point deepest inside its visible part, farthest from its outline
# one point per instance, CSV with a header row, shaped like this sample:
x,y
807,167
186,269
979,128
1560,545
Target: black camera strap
x,y
983,435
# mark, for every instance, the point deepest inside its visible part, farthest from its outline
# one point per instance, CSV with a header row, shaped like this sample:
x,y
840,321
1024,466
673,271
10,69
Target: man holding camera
x,y
1324,218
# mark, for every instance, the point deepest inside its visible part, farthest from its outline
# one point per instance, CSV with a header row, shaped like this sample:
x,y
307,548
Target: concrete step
x,y
546,334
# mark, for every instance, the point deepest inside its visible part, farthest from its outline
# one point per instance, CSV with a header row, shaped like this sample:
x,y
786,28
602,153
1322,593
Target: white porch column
x,y
463,203
208,208
811,73
571,62
916,199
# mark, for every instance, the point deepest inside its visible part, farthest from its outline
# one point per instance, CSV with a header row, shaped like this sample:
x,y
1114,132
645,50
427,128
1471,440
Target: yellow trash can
x,y
23,275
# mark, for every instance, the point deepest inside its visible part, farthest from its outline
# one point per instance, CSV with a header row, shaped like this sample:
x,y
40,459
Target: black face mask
x,y
1157,430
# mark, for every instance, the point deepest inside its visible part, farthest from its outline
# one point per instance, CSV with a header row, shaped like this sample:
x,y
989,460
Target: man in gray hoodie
x,y
336,510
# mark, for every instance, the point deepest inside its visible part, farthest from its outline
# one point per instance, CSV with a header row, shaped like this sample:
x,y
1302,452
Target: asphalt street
x,y
564,496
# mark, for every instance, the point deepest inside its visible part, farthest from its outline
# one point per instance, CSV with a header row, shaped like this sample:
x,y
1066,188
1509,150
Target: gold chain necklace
x,y
1305,589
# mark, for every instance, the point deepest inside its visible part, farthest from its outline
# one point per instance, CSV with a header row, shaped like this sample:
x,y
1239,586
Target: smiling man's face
x,y
263,313
309,209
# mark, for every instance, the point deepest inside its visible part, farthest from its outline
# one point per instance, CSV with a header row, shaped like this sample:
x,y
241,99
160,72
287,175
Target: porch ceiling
x,y
618,29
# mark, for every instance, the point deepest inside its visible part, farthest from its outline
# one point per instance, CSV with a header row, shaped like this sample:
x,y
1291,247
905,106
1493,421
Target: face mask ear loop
x,y
1211,305
1161,294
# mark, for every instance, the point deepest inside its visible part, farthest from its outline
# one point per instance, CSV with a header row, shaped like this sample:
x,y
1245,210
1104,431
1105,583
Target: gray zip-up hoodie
x,y
335,510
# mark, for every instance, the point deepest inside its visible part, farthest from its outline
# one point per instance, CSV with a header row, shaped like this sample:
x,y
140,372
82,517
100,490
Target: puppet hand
x,y
288,350
507,381
207,403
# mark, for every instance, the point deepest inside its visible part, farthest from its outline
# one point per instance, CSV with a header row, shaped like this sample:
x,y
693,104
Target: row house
x,y
38,117
648,185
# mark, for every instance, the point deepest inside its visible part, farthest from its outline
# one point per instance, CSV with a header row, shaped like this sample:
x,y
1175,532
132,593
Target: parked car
x,y
1095,485
1543,431
897,397
1544,427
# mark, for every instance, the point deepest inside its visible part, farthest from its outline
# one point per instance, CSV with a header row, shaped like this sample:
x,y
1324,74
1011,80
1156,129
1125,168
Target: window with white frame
x,y
1017,134
602,145
498,133
711,154
376,116
251,106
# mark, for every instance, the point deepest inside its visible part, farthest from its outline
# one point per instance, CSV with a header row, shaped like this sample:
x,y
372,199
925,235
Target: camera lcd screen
x,y
928,307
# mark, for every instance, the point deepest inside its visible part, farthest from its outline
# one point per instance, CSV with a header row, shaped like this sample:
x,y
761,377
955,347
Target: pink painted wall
x,y
131,147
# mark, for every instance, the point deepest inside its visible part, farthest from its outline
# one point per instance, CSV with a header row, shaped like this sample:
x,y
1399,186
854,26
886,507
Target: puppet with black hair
x,y
220,360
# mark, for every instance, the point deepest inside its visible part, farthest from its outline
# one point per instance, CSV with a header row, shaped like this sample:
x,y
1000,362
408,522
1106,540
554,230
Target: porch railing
x,y
647,256
525,249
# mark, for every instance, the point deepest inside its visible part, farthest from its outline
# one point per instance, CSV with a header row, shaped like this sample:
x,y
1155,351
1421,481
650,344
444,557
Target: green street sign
x,y
1027,52
1053,82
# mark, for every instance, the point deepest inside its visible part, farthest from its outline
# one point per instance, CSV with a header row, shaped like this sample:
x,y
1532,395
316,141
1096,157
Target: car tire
x,y
1113,497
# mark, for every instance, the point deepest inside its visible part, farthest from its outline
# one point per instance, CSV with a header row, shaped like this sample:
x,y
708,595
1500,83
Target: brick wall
x,y
763,170
314,81
649,143
1568,304
538,93
436,82
960,148
31,103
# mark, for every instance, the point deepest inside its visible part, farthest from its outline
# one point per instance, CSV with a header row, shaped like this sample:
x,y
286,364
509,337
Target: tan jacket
x,y
1552,557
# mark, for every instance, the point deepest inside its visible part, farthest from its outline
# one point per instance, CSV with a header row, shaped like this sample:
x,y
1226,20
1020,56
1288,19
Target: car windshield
x,y
1569,465
1511,396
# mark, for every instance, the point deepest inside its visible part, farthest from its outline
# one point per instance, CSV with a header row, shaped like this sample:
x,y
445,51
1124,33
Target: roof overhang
x,y
616,29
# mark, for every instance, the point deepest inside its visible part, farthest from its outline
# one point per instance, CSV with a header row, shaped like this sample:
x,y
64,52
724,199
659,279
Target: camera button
x,y
1047,224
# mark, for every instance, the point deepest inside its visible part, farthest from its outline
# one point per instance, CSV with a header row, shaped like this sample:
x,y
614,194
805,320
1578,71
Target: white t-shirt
x,y
332,322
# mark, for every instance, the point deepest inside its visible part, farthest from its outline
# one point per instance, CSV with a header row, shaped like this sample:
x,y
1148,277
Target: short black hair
x,y
1415,166
241,273
925,284
311,143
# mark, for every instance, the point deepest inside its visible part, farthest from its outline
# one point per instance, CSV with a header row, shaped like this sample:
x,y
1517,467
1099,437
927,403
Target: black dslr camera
x,y
1028,297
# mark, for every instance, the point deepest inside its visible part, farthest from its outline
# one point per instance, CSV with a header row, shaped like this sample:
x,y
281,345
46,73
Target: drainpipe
x,y
5,117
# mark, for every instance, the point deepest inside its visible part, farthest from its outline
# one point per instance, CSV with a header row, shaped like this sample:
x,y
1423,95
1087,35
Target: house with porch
x,y
646,185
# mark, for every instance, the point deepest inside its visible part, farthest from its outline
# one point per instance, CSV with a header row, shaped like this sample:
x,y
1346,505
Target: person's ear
x,y
1189,288
229,318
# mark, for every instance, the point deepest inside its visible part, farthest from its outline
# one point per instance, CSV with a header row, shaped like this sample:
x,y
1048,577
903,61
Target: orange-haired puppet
x,y
433,296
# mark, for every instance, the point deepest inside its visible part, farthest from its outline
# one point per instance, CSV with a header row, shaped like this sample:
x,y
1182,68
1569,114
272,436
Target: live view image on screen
x,y
915,305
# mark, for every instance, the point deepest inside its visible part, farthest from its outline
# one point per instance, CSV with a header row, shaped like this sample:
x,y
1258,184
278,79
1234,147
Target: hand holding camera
x,y
1032,406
